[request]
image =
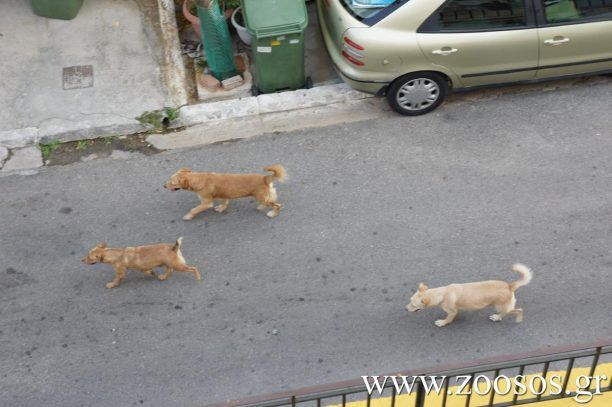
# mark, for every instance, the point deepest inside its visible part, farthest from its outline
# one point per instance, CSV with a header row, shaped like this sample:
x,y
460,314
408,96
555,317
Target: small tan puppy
x,y
473,296
143,258
211,185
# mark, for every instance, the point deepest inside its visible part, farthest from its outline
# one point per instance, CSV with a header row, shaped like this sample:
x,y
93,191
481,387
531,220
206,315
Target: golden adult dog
x,y
211,185
143,258
473,296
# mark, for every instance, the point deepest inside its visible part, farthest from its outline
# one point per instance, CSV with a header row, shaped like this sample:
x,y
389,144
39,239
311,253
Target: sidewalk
x,y
92,76
102,68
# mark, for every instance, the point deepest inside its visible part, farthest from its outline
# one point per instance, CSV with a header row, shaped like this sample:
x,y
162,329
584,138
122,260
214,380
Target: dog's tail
x,y
177,245
526,276
279,173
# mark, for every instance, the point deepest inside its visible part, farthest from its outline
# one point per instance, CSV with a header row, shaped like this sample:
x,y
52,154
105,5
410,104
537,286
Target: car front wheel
x,y
417,93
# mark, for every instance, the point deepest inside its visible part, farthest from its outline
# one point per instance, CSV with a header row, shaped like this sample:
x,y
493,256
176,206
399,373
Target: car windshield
x,y
368,9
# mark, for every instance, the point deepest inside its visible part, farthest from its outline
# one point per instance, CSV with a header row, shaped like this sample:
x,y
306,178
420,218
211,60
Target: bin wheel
x,y
308,84
255,91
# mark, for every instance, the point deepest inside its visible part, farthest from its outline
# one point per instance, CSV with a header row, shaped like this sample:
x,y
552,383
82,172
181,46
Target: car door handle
x,y
557,41
444,51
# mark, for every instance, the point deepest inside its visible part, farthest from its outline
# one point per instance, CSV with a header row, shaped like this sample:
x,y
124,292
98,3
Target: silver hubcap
x,y
418,94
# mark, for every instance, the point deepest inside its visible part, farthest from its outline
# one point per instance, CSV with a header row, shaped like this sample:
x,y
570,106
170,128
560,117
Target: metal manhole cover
x,y
78,77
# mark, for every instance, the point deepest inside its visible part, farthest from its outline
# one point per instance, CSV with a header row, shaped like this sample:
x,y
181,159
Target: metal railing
x,y
338,394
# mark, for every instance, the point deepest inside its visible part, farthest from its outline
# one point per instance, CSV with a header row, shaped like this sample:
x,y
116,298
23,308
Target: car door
x,y
575,37
483,41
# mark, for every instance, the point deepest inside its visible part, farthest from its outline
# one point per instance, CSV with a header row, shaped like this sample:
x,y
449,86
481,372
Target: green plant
x,y
108,140
47,149
201,64
153,118
159,119
82,145
171,113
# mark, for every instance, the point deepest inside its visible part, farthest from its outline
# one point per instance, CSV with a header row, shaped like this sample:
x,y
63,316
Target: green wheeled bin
x,y
277,28
60,9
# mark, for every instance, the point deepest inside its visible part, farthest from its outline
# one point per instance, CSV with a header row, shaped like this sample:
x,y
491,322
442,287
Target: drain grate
x,y
77,77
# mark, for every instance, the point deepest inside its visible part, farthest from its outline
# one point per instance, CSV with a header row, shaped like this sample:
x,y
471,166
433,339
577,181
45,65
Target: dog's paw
x,y
220,208
495,317
162,277
188,217
198,276
111,285
272,214
440,323
519,319
261,207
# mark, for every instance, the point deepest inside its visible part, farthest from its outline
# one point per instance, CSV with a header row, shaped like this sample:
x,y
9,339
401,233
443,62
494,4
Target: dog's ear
x,y
425,301
422,287
183,181
101,245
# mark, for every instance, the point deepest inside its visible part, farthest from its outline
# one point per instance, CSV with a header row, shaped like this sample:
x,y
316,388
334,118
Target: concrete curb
x,y
68,130
25,158
96,126
99,125
214,113
249,126
19,137
270,103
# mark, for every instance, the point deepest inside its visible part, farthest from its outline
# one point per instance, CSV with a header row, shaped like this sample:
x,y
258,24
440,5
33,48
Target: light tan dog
x,y
143,258
473,296
211,185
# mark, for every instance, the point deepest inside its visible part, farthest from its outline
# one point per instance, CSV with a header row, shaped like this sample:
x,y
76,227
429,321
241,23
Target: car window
x,y
368,10
482,14
557,11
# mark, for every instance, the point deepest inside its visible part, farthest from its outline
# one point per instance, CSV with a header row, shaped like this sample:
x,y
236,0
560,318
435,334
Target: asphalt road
x,y
318,294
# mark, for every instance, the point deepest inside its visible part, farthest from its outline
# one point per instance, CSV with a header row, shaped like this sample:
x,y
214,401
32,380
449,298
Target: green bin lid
x,y
266,18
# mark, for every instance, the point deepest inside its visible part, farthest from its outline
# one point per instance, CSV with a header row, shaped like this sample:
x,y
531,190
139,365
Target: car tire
x,y
429,91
